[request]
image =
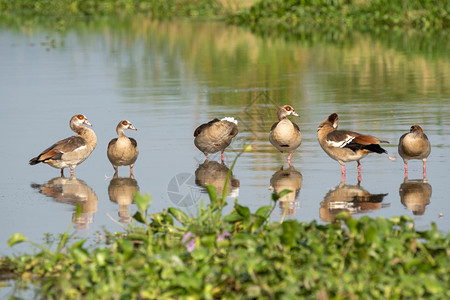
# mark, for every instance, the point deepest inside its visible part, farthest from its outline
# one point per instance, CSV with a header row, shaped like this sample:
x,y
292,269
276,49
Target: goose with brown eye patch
x,y
345,146
123,150
414,145
284,134
71,151
215,136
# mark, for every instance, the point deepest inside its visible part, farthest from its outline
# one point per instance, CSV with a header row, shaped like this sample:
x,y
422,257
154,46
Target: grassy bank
x,y
240,256
287,15
364,15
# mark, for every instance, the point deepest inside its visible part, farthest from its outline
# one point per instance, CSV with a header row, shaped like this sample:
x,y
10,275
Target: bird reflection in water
x,y
121,190
415,195
351,198
287,179
215,174
72,191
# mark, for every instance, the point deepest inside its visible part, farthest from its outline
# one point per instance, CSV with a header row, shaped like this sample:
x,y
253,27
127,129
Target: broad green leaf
x,y
16,238
178,214
233,218
142,201
242,210
79,254
212,192
262,211
138,217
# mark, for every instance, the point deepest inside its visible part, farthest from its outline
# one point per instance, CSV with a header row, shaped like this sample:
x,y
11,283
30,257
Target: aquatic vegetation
x,y
356,14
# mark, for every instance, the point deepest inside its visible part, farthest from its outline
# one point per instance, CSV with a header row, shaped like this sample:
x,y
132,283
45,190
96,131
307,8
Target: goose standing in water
x,y
414,145
345,146
123,151
71,151
284,134
215,136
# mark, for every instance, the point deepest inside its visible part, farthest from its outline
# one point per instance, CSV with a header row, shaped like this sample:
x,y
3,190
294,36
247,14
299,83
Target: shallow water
x,y
168,77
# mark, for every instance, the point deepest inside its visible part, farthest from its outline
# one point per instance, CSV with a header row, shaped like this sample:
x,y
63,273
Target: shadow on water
x,y
121,190
73,191
287,179
215,174
351,198
415,195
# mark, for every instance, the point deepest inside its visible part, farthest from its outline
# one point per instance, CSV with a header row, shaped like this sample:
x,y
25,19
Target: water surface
x,y
169,77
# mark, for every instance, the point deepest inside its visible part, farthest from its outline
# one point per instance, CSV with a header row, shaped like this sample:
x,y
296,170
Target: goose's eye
x,y
80,117
288,108
124,123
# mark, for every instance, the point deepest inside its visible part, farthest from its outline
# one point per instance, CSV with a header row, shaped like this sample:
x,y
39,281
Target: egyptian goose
x,y
284,134
215,136
345,146
72,151
123,151
414,145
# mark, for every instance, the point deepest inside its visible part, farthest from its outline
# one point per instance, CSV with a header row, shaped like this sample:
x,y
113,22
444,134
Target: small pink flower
x,y
189,241
223,235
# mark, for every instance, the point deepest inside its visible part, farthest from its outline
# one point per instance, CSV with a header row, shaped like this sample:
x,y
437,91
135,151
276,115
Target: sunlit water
x,y
167,78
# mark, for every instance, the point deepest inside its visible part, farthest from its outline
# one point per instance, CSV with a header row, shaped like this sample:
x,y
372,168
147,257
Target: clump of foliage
x,y
85,8
287,15
358,14
63,13
243,255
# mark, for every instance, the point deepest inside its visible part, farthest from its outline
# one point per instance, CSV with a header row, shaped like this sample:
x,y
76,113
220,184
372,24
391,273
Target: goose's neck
x,y
120,131
88,134
281,115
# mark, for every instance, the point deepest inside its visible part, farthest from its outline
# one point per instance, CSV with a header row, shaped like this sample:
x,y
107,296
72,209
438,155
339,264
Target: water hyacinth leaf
x,y
370,234
242,210
212,192
290,229
142,201
352,225
138,217
262,211
199,254
179,215
126,247
233,218
101,257
78,252
276,197
284,192
16,238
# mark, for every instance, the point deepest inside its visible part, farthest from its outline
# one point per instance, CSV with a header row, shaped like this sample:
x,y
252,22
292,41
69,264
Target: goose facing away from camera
x,y
414,145
215,136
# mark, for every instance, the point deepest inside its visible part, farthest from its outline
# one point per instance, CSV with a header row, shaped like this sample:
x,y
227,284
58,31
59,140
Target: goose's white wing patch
x,y
230,119
80,148
341,143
